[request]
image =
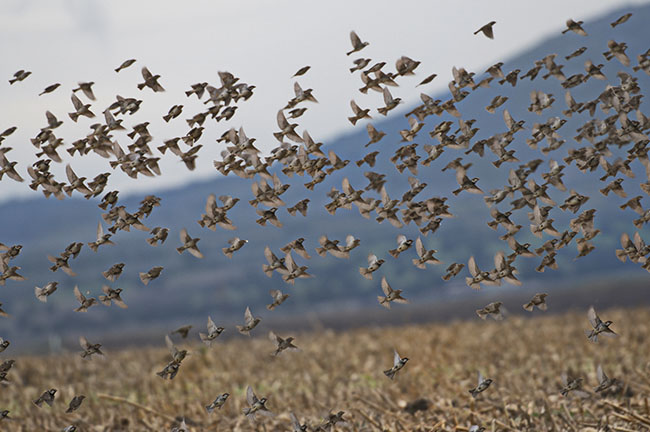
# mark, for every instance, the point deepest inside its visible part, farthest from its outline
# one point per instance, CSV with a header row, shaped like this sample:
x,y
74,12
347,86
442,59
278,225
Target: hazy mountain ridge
x,y
193,288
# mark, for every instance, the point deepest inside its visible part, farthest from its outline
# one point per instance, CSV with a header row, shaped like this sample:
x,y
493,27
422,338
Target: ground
x,y
525,357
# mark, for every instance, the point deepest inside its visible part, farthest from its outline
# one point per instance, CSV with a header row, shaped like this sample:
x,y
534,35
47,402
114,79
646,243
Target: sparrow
x,y
571,385
182,331
47,397
398,364
47,290
50,89
4,344
278,299
282,344
373,264
453,270
492,309
357,45
250,322
301,71
153,273
390,294
235,244
487,30
158,234
88,348
189,244
85,303
538,300
575,27
217,403
125,64
212,334
112,295
75,403
150,81
604,382
483,384
600,327
402,244
257,405
19,76
113,273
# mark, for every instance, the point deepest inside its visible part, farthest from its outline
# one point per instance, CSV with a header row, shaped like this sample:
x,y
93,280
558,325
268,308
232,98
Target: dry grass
x,y
525,357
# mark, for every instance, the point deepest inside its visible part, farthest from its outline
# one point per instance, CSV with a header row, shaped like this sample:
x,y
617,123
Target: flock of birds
x,y
299,154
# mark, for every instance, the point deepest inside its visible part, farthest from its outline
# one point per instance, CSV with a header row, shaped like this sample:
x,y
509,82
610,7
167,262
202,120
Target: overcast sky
x,y
262,42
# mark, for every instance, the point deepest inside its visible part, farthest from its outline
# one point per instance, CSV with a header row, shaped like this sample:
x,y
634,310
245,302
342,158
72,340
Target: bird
x,y
43,293
85,303
402,244
282,344
189,244
492,309
250,322
398,364
125,64
212,334
183,331
153,273
112,296
278,298
600,327
621,20
373,264
47,396
217,403
19,76
574,26
604,382
256,405
235,244
86,88
50,88
75,403
538,300
390,294
301,71
357,45
88,348
150,81
483,384
4,344
487,30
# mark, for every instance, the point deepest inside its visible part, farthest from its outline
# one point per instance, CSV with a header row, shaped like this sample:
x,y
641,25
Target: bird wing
x,y
593,318
419,247
250,396
211,326
396,358
248,316
354,38
385,287
80,297
473,268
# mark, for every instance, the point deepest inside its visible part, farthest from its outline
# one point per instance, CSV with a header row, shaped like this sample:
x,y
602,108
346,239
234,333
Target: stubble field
x,y
344,372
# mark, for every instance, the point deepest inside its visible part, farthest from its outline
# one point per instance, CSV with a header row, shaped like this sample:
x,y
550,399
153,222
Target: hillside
x,y
190,289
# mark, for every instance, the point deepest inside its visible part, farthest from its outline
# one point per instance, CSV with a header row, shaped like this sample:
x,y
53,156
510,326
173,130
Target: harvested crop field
x,y
344,372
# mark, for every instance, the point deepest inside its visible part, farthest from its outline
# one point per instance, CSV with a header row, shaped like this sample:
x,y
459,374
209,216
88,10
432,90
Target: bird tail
x,y
394,253
105,300
529,306
39,294
208,408
390,373
141,86
383,301
481,314
144,277
365,273
243,330
227,252
321,251
167,118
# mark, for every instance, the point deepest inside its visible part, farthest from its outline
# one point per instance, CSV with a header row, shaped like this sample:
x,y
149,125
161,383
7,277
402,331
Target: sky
x,y
262,42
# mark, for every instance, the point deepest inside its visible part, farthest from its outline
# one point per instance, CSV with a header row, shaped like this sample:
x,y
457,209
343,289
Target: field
x,y
343,371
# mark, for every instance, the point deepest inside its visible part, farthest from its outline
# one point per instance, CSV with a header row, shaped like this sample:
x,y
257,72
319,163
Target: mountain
x,y
189,289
